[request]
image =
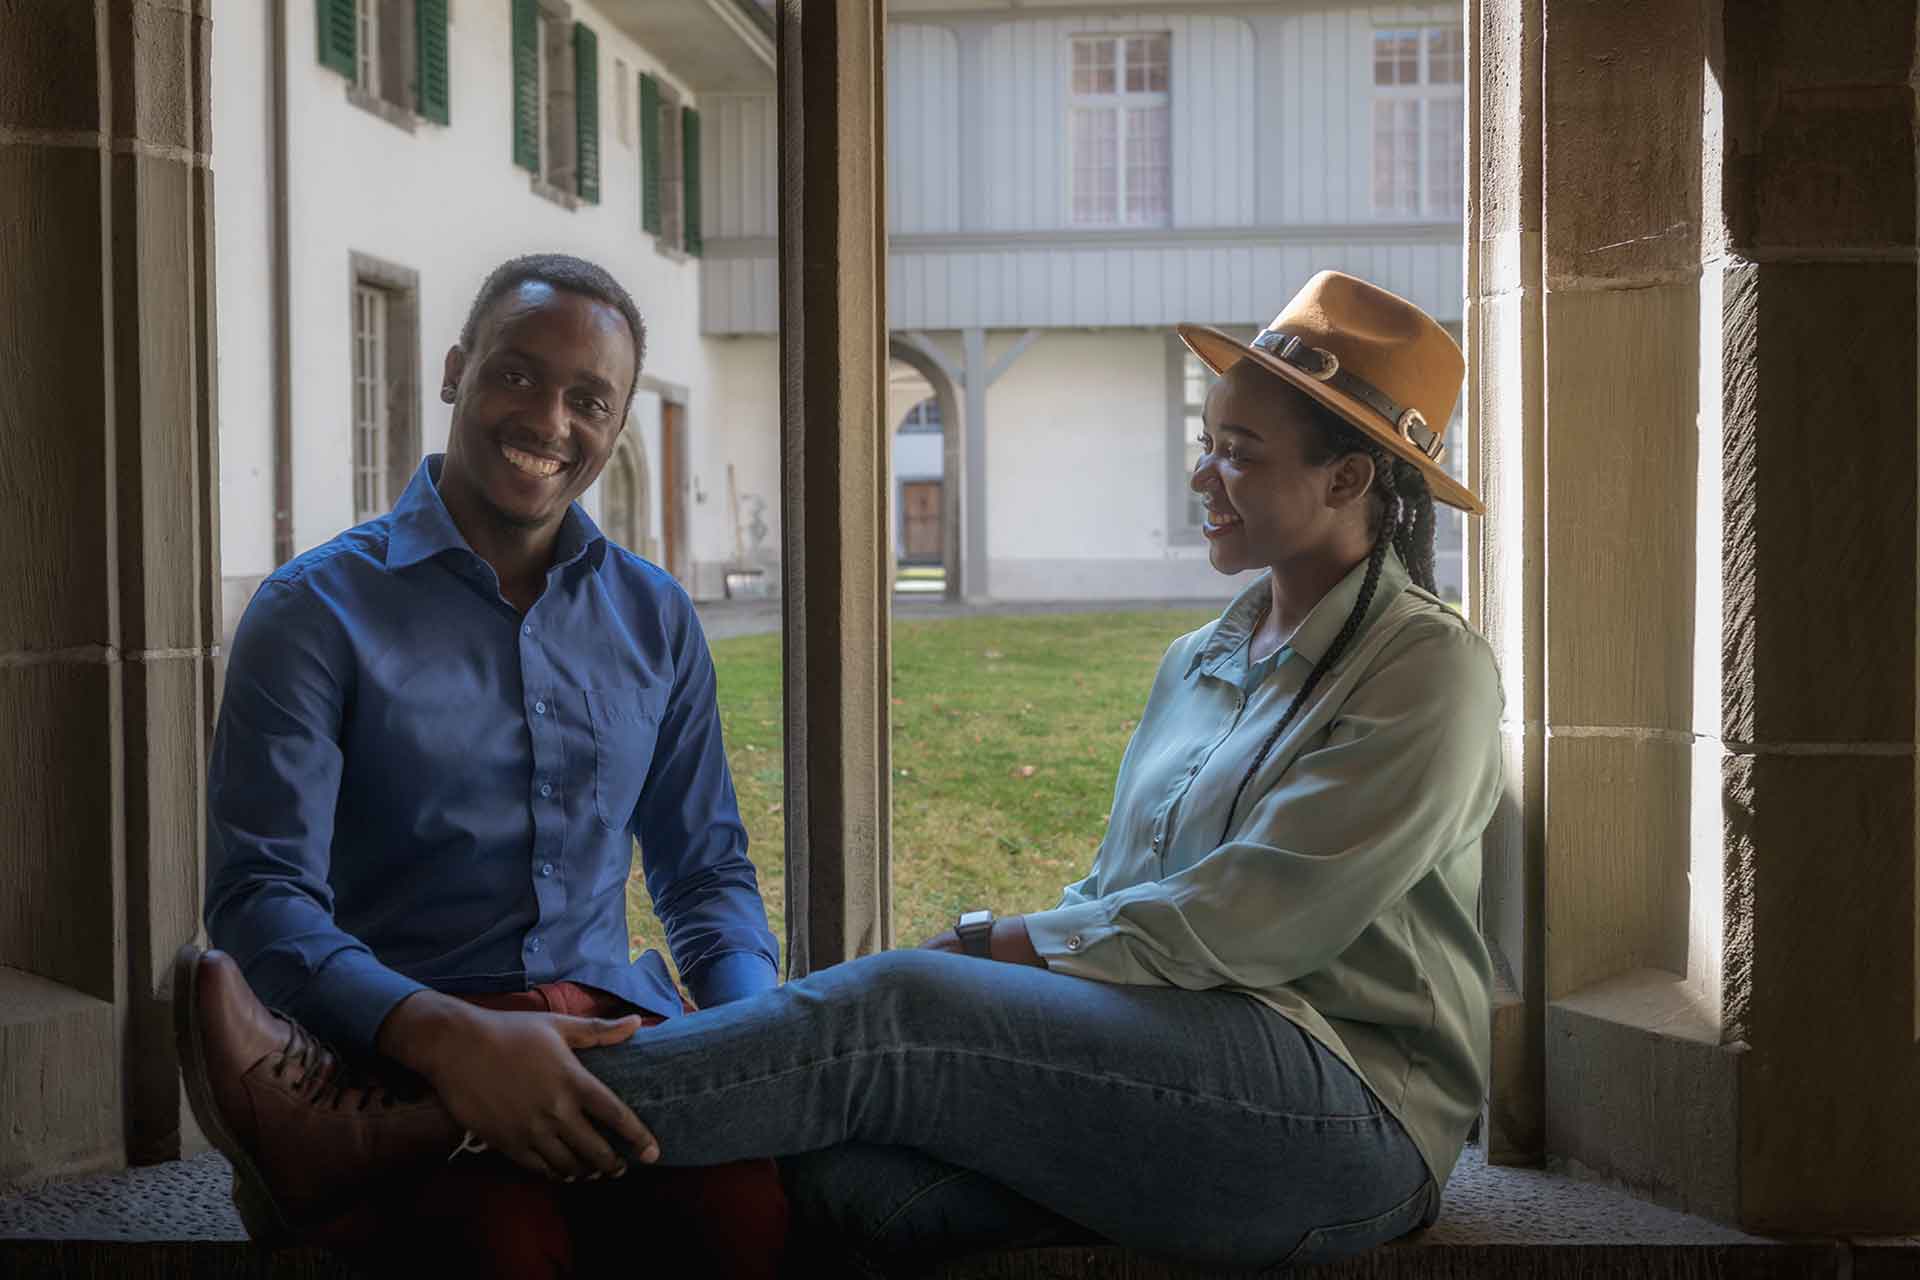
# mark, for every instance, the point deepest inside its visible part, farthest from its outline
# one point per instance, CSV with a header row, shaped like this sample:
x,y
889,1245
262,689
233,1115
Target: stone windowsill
x,y
547,191
1499,1224
398,116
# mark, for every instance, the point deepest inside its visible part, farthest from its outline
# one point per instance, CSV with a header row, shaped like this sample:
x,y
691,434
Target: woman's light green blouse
x,y
1345,895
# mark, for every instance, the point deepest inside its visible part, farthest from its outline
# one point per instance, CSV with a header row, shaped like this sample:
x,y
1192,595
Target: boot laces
x,y
325,1078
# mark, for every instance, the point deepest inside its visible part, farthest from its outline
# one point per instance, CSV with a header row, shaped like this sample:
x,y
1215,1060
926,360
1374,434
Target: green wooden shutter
x,y
586,112
690,165
337,28
649,154
433,89
526,86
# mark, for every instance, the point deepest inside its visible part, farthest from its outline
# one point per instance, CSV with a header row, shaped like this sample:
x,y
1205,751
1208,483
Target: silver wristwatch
x,y
976,933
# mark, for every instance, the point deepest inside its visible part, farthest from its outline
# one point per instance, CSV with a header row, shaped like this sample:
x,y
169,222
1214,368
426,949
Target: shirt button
x,y
546,788
527,630
539,708
533,944
1073,943
546,868
1156,842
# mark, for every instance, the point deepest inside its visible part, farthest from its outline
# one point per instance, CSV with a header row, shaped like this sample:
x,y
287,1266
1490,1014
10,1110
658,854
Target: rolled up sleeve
x,y
1409,773
273,780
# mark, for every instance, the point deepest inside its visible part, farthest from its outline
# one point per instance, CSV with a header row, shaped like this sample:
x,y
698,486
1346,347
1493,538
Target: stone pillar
x,y
1818,567
1694,390
1505,345
838,561
109,565
975,571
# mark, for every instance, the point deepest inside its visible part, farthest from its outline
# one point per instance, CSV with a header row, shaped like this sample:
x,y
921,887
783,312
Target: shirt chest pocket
x,y
626,726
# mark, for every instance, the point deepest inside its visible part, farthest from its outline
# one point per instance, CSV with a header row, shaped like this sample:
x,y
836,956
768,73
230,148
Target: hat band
x,y
1323,366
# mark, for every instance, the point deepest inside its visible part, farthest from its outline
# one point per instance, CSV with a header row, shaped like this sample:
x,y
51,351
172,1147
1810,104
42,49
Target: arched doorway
x,y
626,514
924,452
919,489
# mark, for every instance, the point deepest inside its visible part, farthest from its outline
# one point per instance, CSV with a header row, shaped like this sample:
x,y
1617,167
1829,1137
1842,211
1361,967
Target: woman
x,y
1257,1031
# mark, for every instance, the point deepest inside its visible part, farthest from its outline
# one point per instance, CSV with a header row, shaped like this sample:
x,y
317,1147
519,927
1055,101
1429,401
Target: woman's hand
x,y
947,941
514,1080
1010,943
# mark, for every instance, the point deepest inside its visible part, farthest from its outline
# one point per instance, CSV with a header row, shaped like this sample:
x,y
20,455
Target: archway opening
x,y
625,512
919,492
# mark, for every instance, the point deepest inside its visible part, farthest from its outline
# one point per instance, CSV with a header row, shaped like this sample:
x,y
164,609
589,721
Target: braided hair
x,y
1401,518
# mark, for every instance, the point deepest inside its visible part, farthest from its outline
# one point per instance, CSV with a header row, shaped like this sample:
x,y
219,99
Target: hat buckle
x,y
1413,428
1317,363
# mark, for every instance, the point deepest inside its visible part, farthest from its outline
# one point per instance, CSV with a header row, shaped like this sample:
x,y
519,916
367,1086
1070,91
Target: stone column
x,y
109,565
1818,565
838,561
1505,345
1694,345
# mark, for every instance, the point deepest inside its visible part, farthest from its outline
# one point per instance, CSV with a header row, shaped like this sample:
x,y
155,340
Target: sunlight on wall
x,y
1706,870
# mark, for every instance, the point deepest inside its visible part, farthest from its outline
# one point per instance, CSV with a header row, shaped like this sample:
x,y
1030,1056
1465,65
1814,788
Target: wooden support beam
x,y
838,561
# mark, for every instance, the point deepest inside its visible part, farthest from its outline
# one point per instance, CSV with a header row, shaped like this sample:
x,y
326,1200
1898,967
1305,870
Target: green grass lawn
x,y
1007,733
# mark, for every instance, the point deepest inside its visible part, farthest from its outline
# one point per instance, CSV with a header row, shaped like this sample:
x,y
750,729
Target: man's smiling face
x,y
539,402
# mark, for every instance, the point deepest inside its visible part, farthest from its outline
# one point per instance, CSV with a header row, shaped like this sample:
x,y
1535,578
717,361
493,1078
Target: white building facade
x,y
424,142
1065,184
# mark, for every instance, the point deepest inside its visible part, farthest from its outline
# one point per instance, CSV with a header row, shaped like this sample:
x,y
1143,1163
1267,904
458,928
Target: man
x,y
441,735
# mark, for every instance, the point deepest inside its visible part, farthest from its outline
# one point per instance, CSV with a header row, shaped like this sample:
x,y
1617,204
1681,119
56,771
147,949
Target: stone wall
x,y
108,556
1693,327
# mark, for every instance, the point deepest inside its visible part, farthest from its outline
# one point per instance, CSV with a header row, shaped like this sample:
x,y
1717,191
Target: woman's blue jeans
x,y
955,1104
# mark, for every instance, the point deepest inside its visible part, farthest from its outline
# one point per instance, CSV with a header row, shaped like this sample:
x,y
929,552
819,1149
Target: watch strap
x,y
975,929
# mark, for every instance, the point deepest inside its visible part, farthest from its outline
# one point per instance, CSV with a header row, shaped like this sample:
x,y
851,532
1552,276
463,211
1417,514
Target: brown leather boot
x,y
307,1139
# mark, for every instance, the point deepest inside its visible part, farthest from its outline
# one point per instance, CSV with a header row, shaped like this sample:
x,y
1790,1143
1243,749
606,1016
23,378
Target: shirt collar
x,y
1316,633
423,528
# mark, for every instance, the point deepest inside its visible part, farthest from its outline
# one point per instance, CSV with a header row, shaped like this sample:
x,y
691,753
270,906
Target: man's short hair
x,y
560,271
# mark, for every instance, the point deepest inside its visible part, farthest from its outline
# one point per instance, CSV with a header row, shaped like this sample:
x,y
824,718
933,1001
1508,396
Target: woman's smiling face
x,y
1267,503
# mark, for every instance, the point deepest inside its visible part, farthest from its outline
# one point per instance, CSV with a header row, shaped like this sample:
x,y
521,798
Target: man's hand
x,y
513,1079
1010,943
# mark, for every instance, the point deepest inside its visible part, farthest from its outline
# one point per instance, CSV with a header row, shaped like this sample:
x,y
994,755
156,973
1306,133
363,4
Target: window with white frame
x,y
623,102
1419,122
384,307
1196,379
1188,380
393,54
1119,131
556,98
673,169
371,396
366,45
922,419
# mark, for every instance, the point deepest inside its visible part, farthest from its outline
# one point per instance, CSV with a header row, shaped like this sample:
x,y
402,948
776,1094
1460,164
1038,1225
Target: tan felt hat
x,y
1372,357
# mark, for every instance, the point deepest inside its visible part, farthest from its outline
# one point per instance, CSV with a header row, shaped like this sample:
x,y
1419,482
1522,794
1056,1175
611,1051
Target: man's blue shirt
x,y
413,785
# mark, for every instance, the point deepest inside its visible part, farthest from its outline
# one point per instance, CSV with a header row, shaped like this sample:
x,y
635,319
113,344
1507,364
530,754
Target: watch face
x,y
976,933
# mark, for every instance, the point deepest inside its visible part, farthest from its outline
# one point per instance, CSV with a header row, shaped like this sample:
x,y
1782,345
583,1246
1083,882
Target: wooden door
x,y
673,420
920,520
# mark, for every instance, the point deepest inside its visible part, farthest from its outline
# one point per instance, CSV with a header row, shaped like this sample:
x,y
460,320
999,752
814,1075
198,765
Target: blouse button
x,y
539,708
